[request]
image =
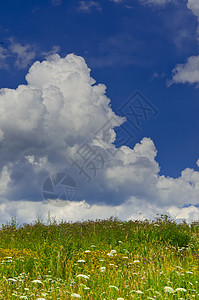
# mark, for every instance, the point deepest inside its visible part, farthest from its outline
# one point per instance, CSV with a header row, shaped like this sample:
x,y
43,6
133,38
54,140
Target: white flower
x,y
112,286
168,289
139,292
103,269
83,276
40,298
92,246
86,288
189,272
12,279
37,281
136,261
120,298
158,293
181,290
87,251
81,260
113,251
75,295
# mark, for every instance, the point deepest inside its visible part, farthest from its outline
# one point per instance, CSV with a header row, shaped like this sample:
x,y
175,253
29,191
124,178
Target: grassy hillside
x,y
102,259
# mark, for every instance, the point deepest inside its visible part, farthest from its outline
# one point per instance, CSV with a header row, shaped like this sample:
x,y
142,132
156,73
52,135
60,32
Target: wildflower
x,y
158,293
86,288
103,269
40,298
81,260
168,289
23,297
87,251
92,246
112,286
120,298
136,261
181,290
83,276
189,272
37,281
75,295
12,279
113,251
139,292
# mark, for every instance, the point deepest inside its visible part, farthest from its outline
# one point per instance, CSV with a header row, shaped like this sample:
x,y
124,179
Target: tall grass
x,y
115,260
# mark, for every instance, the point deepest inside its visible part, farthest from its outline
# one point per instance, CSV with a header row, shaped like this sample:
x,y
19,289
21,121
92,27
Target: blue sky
x,y
150,46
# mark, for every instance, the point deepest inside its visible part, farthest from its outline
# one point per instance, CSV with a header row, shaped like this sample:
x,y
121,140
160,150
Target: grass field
x,y
102,259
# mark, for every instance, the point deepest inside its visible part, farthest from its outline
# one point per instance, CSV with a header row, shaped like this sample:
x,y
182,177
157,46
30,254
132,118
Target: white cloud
x,y
4,180
59,109
54,50
197,162
24,53
20,55
193,5
188,72
88,6
156,2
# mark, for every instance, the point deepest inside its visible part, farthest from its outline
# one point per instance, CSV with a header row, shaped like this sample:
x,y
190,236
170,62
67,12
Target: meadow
x,y
102,259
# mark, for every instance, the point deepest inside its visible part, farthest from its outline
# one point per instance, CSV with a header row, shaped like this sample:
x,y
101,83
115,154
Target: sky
x,y
99,106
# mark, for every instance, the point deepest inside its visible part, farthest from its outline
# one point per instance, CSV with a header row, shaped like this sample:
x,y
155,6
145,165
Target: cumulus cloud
x,y
54,114
188,72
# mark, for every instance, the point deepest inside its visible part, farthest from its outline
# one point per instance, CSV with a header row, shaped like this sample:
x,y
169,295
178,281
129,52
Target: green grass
x,y
150,260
